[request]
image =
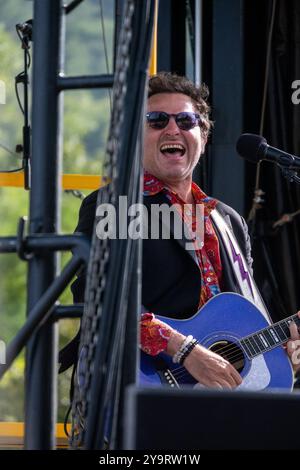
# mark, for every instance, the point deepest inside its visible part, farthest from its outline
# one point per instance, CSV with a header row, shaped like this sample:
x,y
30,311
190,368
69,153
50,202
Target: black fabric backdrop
x,y
276,251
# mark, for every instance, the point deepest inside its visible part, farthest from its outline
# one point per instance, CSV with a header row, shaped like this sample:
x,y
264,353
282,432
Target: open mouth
x,y
173,149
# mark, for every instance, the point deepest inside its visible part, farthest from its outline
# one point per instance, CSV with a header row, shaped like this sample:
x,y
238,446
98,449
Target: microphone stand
x,y
25,35
289,174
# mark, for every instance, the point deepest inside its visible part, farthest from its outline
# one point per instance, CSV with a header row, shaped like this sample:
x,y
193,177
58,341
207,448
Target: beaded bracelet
x,y
183,347
189,349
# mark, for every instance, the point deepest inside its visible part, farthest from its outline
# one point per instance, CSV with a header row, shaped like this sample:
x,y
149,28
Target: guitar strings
x,y
181,371
233,349
226,349
234,357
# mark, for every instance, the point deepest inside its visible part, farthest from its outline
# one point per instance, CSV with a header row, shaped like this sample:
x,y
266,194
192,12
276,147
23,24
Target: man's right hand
x,y
208,368
211,369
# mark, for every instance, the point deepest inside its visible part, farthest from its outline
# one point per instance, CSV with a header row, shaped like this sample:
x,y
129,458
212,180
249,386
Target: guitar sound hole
x,y
231,352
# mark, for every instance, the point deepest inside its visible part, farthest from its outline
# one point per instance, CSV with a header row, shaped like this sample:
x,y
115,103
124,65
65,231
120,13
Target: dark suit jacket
x,y
170,273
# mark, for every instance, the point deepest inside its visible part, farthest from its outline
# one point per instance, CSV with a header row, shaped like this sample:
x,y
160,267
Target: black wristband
x,y
188,351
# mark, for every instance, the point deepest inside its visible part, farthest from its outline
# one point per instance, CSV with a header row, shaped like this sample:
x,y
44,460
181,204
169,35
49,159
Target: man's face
x,y
172,167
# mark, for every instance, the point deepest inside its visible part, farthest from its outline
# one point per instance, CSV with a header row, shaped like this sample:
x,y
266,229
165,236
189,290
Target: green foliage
x,y
86,119
84,38
85,131
11,392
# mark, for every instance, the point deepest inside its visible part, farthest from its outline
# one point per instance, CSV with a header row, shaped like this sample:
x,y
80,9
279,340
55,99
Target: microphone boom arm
x,y
290,174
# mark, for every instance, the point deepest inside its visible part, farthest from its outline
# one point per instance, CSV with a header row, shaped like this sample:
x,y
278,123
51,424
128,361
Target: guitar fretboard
x,y
269,337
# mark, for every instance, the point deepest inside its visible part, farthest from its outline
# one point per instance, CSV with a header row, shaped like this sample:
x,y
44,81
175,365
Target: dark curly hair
x,y
167,82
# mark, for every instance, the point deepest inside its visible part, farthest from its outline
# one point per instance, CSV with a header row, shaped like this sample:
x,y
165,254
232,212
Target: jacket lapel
x,y
182,241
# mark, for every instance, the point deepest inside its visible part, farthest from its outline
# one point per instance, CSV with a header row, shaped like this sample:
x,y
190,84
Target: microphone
x,y
255,148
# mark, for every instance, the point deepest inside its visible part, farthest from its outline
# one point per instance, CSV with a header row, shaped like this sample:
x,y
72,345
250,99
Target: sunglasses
x,y
185,121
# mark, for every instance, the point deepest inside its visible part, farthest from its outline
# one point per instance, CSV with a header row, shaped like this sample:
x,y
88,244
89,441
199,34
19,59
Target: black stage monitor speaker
x,y
188,419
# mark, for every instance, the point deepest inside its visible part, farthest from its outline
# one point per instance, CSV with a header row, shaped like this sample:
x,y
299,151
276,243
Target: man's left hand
x,y
293,346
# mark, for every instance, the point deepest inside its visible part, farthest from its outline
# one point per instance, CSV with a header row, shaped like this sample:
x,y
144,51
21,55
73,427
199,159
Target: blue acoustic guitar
x,y
233,327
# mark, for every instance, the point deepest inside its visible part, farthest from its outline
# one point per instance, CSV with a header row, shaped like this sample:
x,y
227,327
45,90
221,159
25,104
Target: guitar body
x,y
220,325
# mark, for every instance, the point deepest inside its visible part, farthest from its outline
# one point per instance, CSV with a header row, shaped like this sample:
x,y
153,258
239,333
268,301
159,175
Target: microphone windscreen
x,y
251,147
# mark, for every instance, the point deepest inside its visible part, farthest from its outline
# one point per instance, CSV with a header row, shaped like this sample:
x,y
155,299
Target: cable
x,y
18,80
24,32
8,150
105,49
108,272
66,419
285,218
257,191
12,171
75,192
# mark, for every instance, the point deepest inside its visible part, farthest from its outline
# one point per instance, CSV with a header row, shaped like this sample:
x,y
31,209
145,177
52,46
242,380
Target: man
x,y
177,282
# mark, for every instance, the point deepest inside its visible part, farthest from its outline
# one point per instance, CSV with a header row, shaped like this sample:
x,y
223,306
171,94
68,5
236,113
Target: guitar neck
x,y
269,337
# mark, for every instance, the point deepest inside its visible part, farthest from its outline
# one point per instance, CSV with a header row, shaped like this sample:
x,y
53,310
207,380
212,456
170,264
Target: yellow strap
x,y
69,181
13,429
